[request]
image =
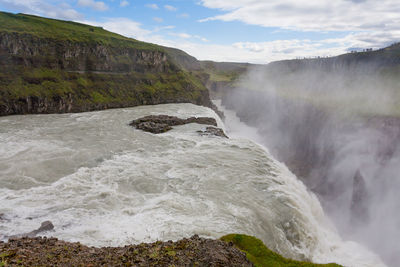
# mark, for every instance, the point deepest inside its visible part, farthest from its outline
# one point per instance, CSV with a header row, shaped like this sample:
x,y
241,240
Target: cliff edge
x,y
55,66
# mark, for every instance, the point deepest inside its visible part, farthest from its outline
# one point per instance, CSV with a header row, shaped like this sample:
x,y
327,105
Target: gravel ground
x,y
194,251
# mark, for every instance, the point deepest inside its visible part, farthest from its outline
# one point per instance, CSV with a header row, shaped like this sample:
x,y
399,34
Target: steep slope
x,y
218,77
222,76
52,66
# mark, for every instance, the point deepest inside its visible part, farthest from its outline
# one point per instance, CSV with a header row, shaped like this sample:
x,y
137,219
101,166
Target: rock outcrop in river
x,y
163,123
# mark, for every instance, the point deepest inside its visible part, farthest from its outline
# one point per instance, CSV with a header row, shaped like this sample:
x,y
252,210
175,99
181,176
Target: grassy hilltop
x,y
55,66
67,31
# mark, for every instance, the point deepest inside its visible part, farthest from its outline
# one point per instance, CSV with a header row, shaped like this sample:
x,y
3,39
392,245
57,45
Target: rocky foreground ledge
x,y
194,251
231,250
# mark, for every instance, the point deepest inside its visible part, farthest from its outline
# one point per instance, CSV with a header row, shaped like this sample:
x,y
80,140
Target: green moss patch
x,y
261,256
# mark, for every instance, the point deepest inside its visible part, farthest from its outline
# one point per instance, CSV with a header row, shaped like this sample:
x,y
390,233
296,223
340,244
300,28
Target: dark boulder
x,y
163,123
159,119
213,131
44,227
202,120
153,127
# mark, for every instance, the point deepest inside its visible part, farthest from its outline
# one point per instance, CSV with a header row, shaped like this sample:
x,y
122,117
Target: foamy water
x,y
103,183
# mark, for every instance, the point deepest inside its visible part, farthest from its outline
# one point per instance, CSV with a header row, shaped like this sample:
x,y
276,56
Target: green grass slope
x,y
66,31
55,66
261,256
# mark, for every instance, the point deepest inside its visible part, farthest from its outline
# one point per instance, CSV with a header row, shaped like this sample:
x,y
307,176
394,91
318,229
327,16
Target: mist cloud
x,y
329,120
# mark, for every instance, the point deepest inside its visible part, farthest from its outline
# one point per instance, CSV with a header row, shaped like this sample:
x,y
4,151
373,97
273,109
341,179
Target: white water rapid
x,y
104,183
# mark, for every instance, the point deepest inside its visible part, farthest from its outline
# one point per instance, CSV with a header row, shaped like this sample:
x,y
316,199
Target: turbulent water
x,y
103,183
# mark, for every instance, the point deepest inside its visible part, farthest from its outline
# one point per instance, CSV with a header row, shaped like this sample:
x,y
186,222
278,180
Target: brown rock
x,y
153,127
194,251
44,227
213,131
163,123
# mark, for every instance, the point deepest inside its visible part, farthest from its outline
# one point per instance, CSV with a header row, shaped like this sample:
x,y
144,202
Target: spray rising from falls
x,y
338,129
103,183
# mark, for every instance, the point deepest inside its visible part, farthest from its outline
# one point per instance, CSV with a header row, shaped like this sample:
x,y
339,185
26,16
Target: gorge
x,y
332,121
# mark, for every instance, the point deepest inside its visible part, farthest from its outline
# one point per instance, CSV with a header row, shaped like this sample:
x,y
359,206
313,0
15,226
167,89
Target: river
x,y
104,183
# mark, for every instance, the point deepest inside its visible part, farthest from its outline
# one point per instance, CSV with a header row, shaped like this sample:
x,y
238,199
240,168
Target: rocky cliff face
x,y
34,104
31,51
52,75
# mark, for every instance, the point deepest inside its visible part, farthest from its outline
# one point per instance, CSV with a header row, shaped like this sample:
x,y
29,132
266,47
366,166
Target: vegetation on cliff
x,y
221,77
67,31
261,256
54,66
218,77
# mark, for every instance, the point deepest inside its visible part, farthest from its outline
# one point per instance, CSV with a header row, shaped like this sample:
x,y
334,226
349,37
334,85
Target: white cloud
x,y
152,6
170,8
256,52
264,52
181,35
364,40
184,15
123,26
158,29
158,19
42,8
201,38
124,3
187,36
96,5
310,15
253,52
369,23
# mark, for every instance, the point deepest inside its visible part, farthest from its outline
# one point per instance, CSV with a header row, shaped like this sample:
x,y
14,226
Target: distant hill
x,y
367,61
218,77
362,83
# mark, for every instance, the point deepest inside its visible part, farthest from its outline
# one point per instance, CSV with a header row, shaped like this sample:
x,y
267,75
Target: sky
x,y
254,31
